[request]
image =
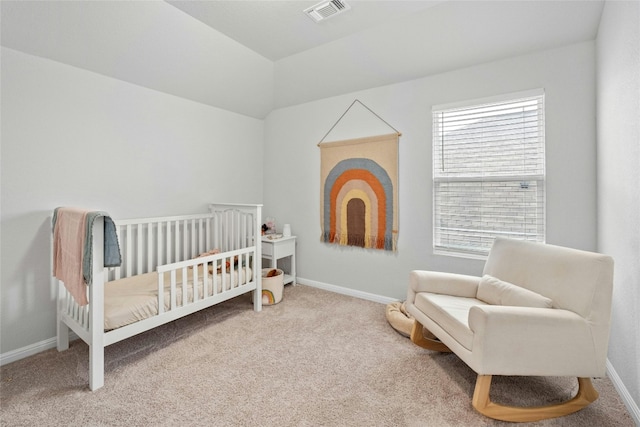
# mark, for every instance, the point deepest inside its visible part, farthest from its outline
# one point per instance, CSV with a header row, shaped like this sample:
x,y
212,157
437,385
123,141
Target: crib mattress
x,y
135,298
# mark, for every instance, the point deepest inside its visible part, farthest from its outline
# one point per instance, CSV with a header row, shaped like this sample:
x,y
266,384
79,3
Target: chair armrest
x,y
506,320
532,341
459,285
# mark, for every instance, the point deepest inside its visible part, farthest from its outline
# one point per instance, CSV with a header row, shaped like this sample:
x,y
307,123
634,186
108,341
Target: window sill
x,y
455,254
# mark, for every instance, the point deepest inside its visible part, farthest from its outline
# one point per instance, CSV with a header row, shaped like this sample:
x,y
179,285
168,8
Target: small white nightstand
x,y
275,249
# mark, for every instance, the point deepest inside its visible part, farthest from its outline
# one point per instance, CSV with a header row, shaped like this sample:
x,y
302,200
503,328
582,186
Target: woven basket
x,y
272,287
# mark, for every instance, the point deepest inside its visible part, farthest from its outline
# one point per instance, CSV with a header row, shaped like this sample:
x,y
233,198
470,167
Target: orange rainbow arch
x,y
377,195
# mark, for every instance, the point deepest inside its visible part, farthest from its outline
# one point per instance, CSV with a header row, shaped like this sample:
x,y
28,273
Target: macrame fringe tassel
x,y
362,241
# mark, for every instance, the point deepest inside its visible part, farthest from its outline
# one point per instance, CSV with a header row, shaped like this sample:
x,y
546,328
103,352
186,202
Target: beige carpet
x,y
315,359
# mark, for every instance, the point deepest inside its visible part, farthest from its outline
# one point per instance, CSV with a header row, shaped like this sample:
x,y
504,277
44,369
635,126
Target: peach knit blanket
x,y
68,246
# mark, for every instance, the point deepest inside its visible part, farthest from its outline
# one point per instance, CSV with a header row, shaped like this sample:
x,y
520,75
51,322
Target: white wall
x,y
618,96
72,137
292,164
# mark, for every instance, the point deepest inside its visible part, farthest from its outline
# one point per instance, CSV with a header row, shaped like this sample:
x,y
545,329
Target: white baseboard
x,y
30,350
632,406
345,291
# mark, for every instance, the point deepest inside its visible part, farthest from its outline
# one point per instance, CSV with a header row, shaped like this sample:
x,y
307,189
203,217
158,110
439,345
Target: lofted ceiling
x,y
250,57
277,29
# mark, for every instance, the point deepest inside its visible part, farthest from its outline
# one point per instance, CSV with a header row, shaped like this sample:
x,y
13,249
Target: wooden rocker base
x,y
483,404
429,342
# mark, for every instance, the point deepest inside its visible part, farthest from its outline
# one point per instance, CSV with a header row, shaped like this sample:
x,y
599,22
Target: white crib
x,y
166,251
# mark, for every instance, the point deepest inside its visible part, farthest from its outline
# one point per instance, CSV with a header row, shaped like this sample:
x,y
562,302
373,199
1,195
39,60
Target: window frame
x,y
539,178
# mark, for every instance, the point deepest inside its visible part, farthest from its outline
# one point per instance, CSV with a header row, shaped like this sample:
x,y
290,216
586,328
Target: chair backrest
x,y
575,280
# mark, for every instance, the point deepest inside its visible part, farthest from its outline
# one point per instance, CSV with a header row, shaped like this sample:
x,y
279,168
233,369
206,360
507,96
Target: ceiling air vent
x,y
326,9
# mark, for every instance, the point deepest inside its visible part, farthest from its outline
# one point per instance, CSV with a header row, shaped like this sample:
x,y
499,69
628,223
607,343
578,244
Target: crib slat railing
x,y
195,284
148,242
185,240
201,239
160,293
167,244
214,283
117,271
193,237
178,239
159,246
216,236
139,247
205,282
128,251
198,287
149,247
71,306
84,313
173,289
77,314
184,286
246,262
234,228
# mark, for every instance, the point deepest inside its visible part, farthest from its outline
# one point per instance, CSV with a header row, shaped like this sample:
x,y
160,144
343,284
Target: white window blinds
x,y
488,173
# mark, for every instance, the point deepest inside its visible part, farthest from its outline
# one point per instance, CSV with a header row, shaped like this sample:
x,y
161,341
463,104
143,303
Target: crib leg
x,y
257,300
96,367
62,336
62,330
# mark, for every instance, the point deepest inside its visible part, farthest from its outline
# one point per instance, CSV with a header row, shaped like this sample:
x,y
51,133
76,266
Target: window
x,y
488,173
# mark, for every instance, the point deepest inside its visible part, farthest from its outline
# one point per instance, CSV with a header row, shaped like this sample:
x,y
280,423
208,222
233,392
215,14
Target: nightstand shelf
x,y
278,249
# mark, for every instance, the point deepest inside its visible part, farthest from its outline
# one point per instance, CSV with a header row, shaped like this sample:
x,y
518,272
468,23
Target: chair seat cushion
x,y
451,313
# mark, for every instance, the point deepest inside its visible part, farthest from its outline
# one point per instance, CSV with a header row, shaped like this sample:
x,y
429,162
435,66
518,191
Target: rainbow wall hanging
x,y
359,192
